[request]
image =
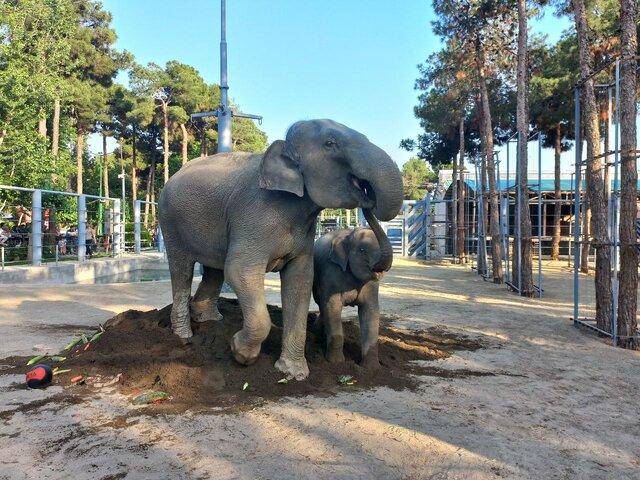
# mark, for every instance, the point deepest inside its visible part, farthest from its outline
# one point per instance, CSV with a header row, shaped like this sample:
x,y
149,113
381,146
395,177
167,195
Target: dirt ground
x,y
546,400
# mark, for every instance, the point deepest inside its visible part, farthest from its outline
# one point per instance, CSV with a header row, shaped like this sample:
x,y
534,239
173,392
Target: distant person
x,y
5,233
90,240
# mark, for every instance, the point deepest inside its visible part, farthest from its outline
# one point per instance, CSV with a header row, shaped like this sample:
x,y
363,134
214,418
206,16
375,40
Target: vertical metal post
x,y
160,240
427,226
117,230
57,253
454,216
224,114
2,257
35,243
405,232
615,239
82,228
507,232
518,235
136,226
576,209
539,215
500,210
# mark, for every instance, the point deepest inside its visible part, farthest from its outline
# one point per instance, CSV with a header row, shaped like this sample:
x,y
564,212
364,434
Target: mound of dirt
x,y
139,349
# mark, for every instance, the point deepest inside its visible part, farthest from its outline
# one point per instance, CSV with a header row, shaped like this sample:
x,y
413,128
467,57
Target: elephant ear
x,y
340,247
280,169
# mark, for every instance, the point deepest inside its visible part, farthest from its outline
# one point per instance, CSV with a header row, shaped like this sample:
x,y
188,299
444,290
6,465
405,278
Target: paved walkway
x,y
562,403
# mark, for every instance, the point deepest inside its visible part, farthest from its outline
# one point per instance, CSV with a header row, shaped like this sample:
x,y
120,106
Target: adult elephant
x,y
241,215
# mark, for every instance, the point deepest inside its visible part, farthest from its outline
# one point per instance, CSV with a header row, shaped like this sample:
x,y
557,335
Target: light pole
x,y
224,112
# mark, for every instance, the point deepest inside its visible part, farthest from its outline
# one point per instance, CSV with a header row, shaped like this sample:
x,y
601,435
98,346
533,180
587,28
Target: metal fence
x,y
46,226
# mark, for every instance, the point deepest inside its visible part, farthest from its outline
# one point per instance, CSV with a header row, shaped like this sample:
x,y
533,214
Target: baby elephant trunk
x,y
386,251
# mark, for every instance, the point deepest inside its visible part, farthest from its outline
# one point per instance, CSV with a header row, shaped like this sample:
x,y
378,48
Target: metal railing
x,y
31,241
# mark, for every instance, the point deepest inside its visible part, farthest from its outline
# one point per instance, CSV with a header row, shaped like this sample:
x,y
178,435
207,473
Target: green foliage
x,y
415,176
63,51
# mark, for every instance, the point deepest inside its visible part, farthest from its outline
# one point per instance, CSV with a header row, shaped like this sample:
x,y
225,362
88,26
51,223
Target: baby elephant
x,y
348,265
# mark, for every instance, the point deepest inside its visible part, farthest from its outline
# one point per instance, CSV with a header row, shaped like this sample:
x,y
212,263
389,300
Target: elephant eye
x,y
362,250
330,144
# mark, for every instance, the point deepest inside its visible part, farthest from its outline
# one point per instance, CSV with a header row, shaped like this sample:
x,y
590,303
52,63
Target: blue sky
x,y
350,60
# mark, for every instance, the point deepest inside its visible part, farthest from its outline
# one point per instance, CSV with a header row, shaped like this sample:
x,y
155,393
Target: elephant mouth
x,y
365,191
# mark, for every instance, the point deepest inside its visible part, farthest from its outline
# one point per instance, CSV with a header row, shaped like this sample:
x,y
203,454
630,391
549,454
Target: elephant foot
x,y
181,326
205,311
297,369
243,354
335,356
370,359
335,352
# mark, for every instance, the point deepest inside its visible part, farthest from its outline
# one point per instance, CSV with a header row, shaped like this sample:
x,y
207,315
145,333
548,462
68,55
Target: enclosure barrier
x,y
613,190
96,227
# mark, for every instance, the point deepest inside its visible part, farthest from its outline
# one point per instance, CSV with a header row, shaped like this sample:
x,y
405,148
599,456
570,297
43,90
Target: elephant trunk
x,y
386,251
372,164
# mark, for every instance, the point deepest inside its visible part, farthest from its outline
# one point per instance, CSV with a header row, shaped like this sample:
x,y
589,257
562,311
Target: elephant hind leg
x,y
204,304
181,269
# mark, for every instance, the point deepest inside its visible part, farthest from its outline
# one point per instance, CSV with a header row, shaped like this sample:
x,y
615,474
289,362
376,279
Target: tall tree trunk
x,y
203,143
586,231
557,217
524,263
105,167
595,184
134,168
42,127
3,133
153,196
55,128
79,155
461,197
165,139
487,144
185,143
628,285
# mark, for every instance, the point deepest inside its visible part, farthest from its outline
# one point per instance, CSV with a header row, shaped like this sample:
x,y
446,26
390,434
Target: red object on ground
x,y
39,376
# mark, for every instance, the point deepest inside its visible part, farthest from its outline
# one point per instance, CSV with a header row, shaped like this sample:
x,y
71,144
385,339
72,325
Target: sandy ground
x,y
562,403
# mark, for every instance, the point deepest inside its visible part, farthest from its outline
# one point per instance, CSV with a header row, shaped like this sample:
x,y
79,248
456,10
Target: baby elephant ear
x,y
340,247
279,170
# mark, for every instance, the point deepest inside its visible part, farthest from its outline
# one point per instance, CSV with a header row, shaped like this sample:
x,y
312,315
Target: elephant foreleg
x,y
204,304
331,314
247,282
369,316
296,283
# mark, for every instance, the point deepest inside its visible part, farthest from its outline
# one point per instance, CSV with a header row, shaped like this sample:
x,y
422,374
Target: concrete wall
x,y
72,272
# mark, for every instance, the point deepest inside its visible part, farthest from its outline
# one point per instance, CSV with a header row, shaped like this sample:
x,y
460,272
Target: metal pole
x,y
2,257
116,227
518,215
507,233
576,210
36,228
454,217
616,211
82,227
224,114
160,240
539,215
136,226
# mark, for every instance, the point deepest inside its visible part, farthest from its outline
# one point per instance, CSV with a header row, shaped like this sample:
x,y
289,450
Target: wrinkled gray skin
x,y
241,215
348,265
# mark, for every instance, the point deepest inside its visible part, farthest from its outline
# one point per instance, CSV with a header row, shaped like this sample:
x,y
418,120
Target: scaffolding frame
x,y
613,206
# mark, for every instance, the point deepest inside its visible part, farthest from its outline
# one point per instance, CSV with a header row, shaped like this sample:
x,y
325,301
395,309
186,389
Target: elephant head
x,y
367,253
338,167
